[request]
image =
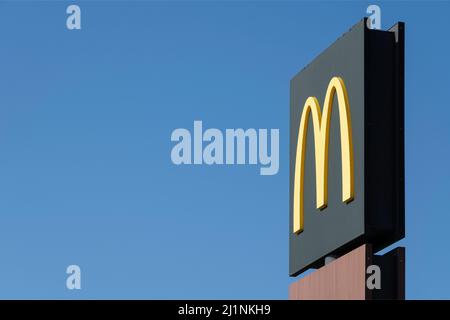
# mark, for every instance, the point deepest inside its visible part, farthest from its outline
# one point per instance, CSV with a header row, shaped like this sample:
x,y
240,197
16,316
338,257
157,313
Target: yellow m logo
x,y
321,123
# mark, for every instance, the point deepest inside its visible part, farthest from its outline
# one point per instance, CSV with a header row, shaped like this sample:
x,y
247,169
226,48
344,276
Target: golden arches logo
x,y
321,124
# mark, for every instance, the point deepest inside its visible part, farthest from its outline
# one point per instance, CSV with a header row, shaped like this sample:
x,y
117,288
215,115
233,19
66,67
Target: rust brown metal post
x,y
345,278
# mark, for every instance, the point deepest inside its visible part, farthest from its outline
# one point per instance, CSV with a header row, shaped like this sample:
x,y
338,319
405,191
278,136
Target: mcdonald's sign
x,y
321,123
347,147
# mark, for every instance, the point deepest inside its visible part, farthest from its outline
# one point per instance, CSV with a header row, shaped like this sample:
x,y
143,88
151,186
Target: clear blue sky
x,y
85,121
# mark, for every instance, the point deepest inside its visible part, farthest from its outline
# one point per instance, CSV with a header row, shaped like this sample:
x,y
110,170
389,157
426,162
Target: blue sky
x,y
85,122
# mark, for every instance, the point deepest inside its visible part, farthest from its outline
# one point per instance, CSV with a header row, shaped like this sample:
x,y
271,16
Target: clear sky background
x,y
85,122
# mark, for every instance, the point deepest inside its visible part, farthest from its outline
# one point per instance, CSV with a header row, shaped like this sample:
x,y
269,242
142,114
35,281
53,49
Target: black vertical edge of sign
x,y
399,31
384,136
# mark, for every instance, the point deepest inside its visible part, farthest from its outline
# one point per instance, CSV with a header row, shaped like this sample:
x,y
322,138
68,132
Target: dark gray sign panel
x,y
370,65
